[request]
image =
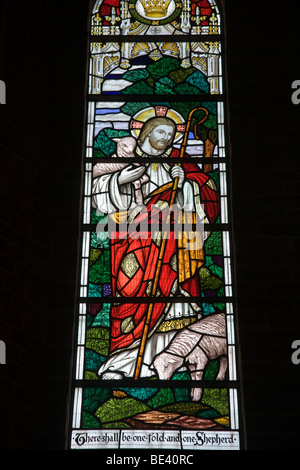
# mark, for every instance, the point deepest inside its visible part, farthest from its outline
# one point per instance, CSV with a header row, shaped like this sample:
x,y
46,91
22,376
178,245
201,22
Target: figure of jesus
x,y
134,260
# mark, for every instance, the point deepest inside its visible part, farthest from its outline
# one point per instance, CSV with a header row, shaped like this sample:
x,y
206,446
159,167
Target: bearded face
x,y
161,136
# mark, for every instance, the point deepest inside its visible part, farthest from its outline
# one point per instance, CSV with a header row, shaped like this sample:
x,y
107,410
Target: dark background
x,y
43,54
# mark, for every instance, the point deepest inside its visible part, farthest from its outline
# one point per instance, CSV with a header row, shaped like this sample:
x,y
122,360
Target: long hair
x,y
154,122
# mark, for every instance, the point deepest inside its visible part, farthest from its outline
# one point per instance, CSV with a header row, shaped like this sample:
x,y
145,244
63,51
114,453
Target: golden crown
x,y
155,8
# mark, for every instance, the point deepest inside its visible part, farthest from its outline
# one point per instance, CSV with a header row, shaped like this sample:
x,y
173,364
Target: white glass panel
x,y
224,209
227,271
220,108
226,245
88,179
223,180
90,135
234,409
91,112
84,271
81,329
82,309
77,408
230,329
222,152
231,363
89,152
83,291
87,210
80,363
221,135
86,244
221,75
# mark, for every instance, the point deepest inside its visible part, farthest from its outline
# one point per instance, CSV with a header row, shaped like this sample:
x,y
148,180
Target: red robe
x,y
128,318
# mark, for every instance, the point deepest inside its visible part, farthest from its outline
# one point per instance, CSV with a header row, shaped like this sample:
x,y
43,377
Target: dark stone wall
x,y
43,50
43,63
263,61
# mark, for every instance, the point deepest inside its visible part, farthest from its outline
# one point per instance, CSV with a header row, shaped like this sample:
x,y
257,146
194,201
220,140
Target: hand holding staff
x,y
163,245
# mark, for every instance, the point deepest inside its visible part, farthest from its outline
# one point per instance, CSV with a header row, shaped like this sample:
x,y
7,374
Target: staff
x,y
163,245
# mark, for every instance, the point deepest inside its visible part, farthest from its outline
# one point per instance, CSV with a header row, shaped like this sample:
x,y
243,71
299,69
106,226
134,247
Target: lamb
x,y
125,149
195,346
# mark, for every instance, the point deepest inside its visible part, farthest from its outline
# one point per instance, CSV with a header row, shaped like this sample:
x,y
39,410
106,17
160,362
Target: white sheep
x,y
195,346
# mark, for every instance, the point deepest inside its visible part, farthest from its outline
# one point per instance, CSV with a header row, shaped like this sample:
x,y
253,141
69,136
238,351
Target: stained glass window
x,y
156,343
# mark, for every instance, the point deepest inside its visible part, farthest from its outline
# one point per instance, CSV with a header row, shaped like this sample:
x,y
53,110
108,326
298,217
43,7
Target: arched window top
x,y
155,17
185,40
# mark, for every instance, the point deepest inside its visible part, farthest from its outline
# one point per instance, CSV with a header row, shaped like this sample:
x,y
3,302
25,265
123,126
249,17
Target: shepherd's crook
x,y
162,248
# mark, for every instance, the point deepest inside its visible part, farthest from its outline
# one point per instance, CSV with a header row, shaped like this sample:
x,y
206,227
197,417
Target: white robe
x,y
109,197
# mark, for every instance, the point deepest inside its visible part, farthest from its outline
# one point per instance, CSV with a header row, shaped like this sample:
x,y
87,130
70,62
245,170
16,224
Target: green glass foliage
x,y
166,76
127,408
104,146
116,409
99,270
208,280
167,70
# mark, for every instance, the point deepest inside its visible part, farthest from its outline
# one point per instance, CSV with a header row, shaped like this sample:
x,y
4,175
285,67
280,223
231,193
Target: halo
x,y
142,116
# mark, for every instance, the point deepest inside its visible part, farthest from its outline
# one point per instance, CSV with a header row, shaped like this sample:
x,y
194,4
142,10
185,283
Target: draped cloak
x,y
135,257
